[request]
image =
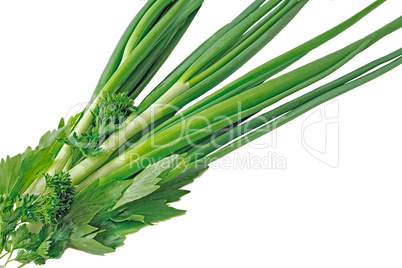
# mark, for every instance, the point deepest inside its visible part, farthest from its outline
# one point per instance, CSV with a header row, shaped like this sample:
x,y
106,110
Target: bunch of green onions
x,y
208,65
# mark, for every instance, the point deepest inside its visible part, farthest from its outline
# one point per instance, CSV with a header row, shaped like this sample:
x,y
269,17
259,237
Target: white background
x,y
309,214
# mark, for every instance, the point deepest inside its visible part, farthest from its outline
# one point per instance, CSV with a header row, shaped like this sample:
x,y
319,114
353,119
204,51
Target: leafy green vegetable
x,y
115,168
47,211
19,172
55,203
120,211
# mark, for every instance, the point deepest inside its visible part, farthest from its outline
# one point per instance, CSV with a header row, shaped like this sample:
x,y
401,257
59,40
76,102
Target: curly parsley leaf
x,y
109,116
48,210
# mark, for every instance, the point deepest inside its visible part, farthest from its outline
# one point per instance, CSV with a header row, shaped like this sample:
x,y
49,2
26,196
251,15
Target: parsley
x,y
108,116
48,210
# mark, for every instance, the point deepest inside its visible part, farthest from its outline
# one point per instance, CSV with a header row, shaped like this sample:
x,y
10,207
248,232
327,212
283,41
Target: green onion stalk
x,y
271,120
230,139
234,137
227,50
232,107
210,64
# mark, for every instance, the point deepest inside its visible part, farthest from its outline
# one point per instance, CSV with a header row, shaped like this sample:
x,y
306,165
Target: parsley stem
x,y
9,258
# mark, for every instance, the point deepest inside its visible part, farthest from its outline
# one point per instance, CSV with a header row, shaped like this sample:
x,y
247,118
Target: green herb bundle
x,y
115,168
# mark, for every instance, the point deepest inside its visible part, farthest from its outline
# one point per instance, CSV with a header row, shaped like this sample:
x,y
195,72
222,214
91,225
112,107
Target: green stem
x,y
262,73
143,48
9,258
154,61
178,72
4,255
249,102
157,109
147,21
289,111
117,55
266,24
300,110
234,133
239,56
227,40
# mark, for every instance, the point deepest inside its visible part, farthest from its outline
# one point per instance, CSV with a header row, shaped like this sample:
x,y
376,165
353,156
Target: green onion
x,y
179,91
292,109
277,17
262,73
231,109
